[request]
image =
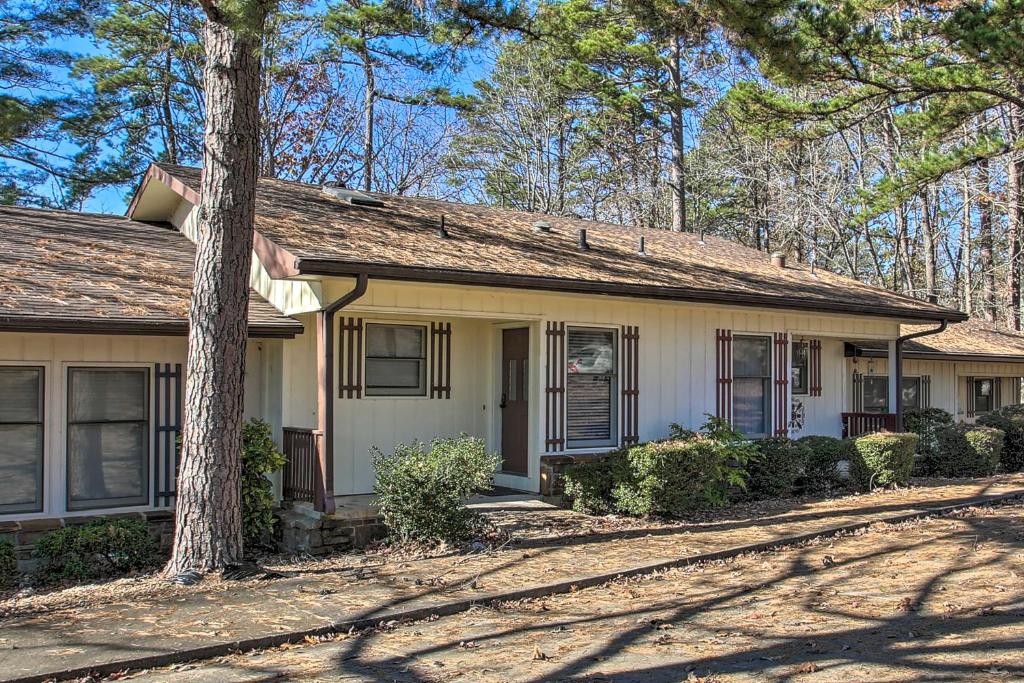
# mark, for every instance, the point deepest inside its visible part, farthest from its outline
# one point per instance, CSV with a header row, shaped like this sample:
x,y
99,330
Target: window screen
x,y
876,394
983,389
751,381
590,387
799,369
911,392
21,439
108,437
396,360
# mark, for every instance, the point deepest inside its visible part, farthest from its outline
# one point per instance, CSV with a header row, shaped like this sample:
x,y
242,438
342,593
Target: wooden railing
x,y
858,424
302,479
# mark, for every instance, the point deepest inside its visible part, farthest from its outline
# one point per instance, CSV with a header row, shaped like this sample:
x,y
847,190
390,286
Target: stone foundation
x,y
23,535
552,471
302,530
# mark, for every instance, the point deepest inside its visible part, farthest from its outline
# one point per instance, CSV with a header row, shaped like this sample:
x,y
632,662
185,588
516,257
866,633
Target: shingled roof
x,y
975,339
314,233
65,271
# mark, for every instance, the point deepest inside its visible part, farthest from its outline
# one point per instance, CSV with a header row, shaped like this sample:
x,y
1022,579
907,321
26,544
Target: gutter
x,y
899,366
323,494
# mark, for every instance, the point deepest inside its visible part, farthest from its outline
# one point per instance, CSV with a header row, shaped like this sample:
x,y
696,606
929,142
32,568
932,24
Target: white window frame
x,y
427,348
44,494
602,445
769,395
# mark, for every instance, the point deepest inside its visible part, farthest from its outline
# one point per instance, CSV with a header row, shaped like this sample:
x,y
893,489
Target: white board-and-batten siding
x,y
57,353
677,378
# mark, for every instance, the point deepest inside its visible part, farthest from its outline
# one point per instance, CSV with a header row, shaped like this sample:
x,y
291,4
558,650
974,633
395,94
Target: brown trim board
x,y
161,328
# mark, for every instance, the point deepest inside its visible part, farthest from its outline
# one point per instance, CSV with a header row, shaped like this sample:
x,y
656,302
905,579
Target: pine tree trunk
x,y
368,112
965,245
1015,220
677,139
208,532
985,245
928,224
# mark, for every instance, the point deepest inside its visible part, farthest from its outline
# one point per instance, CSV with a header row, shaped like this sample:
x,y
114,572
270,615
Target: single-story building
x,y
378,320
968,369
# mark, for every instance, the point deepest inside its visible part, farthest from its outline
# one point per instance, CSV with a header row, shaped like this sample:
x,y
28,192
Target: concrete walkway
x,y
187,625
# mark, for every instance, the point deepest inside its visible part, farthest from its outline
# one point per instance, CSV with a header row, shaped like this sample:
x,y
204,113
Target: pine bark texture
x,y
677,141
208,533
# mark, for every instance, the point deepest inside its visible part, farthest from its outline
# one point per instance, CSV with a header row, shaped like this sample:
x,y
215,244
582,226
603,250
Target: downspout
x,y
323,496
899,367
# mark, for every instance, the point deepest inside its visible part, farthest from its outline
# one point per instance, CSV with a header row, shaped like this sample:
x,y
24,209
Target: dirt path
x,y
941,599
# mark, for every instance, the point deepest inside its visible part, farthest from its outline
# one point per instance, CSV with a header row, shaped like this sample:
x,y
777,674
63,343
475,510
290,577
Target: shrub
x,y
260,457
774,471
8,565
1010,420
422,490
589,484
926,423
99,548
883,459
679,475
967,451
821,466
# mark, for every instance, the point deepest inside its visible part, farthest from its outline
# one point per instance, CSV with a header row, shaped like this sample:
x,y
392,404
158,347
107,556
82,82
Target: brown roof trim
x,y
280,263
155,172
162,328
946,356
329,267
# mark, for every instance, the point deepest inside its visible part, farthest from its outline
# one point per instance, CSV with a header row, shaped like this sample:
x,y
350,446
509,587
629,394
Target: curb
x,y
457,606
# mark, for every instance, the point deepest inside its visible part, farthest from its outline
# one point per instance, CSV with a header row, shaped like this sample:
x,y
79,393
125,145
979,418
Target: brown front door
x,y
515,413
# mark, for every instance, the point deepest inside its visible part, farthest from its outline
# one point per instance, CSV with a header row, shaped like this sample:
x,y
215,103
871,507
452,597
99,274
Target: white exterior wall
x,y
56,353
948,379
676,374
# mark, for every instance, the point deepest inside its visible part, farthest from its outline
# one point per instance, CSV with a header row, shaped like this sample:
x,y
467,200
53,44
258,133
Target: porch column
x,y
323,488
895,370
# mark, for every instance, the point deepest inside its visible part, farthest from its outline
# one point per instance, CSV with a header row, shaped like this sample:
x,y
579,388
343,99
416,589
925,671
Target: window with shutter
x,y
591,385
752,385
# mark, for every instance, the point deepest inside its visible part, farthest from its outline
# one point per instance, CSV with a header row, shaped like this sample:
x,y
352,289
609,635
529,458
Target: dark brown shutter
x,y
814,367
1015,390
554,427
997,393
781,393
350,358
926,391
441,360
630,384
167,411
858,392
970,396
723,374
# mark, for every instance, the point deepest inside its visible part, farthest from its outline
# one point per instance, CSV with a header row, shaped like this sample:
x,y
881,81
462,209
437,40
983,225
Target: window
x,y
799,372
108,437
21,439
590,388
876,393
396,360
751,381
983,395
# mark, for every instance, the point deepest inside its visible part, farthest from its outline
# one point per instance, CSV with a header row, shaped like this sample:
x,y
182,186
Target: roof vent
x,y
354,197
542,226
584,245
778,259
640,250
442,231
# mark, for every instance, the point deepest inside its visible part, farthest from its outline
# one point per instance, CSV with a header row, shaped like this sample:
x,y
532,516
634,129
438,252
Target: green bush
x,y
774,471
99,548
926,423
883,459
675,476
1010,420
821,467
968,451
589,484
422,491
260,457
8,565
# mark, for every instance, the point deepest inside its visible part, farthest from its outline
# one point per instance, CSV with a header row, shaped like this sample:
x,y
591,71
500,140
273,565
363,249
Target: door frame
x,y
531,480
